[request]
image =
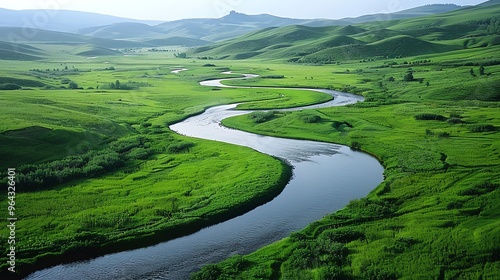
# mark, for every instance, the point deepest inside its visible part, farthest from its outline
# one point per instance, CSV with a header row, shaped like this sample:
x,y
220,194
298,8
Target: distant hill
x,y
60,20
26,35
123,30
236,24
463,28
14,51
179,31
233,25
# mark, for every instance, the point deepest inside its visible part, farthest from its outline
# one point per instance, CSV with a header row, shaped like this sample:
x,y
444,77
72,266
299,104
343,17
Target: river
x,y
326,177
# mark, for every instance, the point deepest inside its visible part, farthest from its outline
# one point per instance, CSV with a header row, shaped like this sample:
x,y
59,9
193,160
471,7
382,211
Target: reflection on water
x,y
326,177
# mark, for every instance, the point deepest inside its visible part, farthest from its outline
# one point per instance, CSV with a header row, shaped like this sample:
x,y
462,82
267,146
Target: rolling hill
x,y
463,28
61,20
29,35
237,24
14,51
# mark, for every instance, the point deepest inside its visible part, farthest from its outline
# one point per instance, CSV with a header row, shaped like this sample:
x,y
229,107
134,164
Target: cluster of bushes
x,y
430,117
179,147
310,118
91,164
125,86
273,77
480,189
482,128
261,117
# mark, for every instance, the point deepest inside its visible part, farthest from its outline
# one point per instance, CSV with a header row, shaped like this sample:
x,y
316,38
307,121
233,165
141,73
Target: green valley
x,y
98,170
435,131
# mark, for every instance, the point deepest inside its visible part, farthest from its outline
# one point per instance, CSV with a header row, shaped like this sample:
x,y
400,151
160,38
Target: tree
x,y
117,84
472,72
481,70
72,85
408,76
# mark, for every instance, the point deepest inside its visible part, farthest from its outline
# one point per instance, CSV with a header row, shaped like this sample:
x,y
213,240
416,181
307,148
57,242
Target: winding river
x,y
326,177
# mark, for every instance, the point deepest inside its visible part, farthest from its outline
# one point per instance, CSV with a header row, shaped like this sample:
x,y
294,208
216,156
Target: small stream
x,y
326,177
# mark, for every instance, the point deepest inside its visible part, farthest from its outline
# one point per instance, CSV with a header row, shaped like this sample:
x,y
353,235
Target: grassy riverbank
x,y
98,169
435,215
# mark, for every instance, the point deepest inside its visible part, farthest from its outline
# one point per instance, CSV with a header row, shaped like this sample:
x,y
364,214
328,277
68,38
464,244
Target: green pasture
x,y
168,186
435,215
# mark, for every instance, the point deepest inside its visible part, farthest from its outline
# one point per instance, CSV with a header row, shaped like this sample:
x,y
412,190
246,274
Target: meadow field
x,y
436,214
97,169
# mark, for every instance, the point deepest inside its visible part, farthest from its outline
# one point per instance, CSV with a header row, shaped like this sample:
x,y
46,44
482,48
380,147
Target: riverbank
x,y
434,216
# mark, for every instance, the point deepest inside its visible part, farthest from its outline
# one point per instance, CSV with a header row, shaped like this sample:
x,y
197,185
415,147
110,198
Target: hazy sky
x,y
176,9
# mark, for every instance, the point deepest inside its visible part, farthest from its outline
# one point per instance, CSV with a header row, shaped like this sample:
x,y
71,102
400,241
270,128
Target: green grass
x,y
164,188
435,214
464,28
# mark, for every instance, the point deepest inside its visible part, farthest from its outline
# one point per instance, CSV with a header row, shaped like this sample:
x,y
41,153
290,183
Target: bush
x,y
72,85
273,77
310,118
454,120
179,147
139,153
261,117
355,145
481,188
430,117
482,128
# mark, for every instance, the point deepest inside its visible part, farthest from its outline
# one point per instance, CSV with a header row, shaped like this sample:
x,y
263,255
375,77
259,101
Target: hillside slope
x,y
467,27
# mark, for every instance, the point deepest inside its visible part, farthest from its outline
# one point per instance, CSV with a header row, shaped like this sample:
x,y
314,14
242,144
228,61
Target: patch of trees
x,y
408,77
43,176
494,26
130,85
181,55
482,128
179,147
273,77
209,65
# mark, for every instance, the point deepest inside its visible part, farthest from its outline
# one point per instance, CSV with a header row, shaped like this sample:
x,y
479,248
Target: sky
x,y
167,10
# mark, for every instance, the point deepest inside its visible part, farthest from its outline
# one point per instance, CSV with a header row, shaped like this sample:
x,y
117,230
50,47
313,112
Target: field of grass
x,y
98,168
436,213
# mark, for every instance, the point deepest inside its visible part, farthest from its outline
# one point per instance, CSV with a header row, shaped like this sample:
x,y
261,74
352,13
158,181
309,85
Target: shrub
x,y
355,145
482,128
430,117
454,120
481,188
310,118
72,85
273,77
139,153
179,147
444,135
261,117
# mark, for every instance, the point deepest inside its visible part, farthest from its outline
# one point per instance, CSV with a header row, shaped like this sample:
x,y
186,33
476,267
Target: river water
x,y
326,177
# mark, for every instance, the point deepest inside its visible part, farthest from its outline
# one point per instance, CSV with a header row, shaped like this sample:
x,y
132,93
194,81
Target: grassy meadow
x,y
98,168
436,213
